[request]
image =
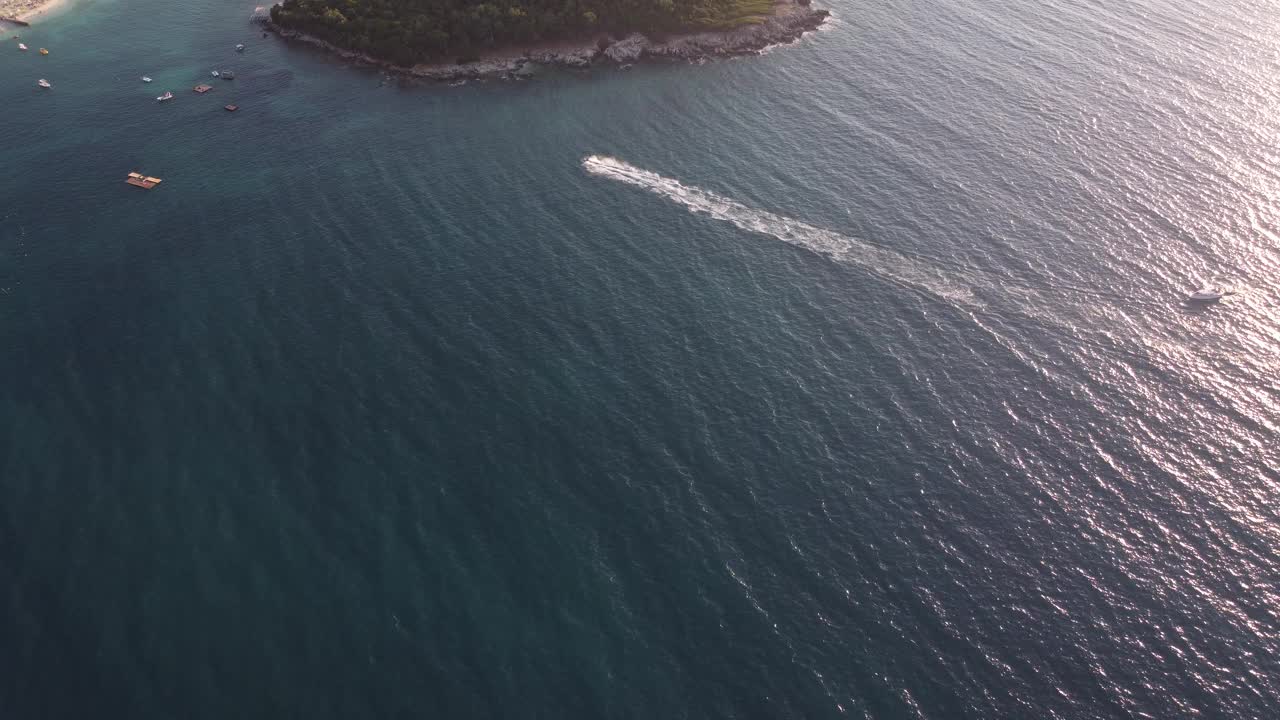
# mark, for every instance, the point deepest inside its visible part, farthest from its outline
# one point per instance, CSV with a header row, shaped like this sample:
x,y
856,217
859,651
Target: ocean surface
x,y
851,380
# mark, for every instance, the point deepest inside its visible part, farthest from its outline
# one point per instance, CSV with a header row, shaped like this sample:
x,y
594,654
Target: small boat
x,y
44,51
21,46
231,108
1207,295
146,79
166,96
214,73
146,182
228,75
240,48
43,83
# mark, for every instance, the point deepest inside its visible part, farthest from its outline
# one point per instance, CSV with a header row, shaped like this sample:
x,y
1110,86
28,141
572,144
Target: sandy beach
x,y
31,10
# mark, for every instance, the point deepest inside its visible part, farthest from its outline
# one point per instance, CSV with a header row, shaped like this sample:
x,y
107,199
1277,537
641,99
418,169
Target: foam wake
x,y
883,262
950,282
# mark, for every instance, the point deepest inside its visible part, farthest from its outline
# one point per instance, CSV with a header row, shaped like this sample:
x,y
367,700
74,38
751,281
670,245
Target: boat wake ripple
x,y
888,264
951,282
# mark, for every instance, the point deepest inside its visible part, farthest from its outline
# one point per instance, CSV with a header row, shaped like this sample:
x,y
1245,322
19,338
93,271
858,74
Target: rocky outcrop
x,y
628,50
795,19
746,40
580,57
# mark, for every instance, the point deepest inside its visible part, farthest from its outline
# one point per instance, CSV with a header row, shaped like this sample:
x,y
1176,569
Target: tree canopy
x,y
411,31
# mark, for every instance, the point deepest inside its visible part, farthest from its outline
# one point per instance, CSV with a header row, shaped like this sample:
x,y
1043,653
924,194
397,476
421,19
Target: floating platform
x,y
202,88
142,181
231,108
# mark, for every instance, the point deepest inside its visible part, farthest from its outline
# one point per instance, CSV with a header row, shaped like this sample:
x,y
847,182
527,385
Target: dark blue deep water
x,y
851,380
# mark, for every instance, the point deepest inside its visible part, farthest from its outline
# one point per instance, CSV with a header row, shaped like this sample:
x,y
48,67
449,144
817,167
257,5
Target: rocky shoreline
x,y
792,19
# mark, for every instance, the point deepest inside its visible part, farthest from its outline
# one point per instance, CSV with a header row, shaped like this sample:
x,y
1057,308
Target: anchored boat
x,y
166,96
143,181
43,83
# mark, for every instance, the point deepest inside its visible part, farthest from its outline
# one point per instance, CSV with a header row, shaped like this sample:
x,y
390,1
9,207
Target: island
x,y
463,39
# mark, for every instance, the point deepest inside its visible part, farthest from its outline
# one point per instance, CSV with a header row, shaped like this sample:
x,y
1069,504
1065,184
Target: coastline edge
x,y
791,21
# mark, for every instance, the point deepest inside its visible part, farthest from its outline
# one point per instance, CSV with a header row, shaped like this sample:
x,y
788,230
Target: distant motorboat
x,y
1207,295
214,73
44,51
43,83
240,48
166,96
146,79
21,46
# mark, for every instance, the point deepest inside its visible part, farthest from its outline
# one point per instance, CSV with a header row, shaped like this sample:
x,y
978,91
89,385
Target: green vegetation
x,y
412,31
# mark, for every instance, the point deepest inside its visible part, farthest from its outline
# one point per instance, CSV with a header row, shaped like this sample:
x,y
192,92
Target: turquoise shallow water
x,y
849,380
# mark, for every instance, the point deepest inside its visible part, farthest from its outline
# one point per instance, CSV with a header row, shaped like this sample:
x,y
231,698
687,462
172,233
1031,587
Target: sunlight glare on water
x,y
852,380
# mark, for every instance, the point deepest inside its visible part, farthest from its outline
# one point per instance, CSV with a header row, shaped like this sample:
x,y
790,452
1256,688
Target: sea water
x,y
849,380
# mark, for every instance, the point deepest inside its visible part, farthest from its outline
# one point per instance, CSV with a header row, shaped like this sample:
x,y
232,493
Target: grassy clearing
x,y
740,13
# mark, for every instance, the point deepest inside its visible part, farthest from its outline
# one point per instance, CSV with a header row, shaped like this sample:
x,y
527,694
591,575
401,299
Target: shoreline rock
x,y
795,19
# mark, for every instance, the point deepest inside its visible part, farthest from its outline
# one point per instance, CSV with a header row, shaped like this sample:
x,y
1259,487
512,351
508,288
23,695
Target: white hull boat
x,y
1208,295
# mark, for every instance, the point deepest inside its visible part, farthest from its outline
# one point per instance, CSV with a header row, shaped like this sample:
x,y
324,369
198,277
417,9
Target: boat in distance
x,y
1207,295
145,182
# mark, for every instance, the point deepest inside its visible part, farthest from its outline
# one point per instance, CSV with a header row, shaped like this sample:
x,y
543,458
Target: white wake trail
x,y
1069,315
886,263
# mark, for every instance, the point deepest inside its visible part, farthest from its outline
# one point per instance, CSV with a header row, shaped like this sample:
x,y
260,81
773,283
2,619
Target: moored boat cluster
x,y
138,179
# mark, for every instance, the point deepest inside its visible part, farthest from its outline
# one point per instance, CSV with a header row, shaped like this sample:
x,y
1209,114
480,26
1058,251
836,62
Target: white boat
x,y
240,48
1207,295
214,73
166,96
21,46
146,79
43,83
